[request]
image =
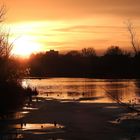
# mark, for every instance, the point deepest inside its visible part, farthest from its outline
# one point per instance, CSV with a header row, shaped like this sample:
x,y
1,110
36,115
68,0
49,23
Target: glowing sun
x,y
25,46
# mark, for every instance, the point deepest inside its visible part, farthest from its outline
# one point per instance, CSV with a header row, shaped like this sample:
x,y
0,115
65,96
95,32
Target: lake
x,y
87,89
67,92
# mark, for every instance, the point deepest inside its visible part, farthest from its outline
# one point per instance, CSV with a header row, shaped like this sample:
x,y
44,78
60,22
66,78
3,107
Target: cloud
x,y
74,23
71,9
90,29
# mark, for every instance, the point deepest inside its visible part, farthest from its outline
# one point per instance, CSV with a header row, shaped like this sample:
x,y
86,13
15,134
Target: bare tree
x,y
2,12
88,52
5,51
132,33
5,45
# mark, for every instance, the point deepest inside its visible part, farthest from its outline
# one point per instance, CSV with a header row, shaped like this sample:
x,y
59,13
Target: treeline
x,y
115,63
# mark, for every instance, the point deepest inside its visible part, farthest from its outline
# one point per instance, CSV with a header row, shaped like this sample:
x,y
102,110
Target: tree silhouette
x,y
12,94
8,66
2,12
73,53
132,33
114,51
88,52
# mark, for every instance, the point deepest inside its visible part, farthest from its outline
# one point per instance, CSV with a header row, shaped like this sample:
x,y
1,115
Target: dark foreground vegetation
x,y
12,94
115,63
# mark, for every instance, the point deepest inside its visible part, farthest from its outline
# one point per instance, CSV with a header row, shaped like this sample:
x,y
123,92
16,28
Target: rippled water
x,y
87,90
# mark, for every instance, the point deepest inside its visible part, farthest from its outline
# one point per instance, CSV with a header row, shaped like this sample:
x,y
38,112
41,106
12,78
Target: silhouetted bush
x,y
11,97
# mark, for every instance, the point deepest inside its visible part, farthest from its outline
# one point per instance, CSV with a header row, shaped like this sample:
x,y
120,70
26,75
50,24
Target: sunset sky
x,y
40,25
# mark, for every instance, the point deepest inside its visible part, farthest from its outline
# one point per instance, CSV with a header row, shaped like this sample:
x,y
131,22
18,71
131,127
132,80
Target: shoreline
x,y
76,120
106,78
80,120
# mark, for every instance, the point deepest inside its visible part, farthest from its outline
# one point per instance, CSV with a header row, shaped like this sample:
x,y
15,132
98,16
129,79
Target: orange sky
x,y
71,24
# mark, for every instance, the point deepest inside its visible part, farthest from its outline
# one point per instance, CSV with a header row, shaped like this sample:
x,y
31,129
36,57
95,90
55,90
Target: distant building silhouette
x,y
52,53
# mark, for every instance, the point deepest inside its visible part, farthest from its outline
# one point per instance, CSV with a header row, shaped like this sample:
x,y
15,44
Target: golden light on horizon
x,y
71,25
24,46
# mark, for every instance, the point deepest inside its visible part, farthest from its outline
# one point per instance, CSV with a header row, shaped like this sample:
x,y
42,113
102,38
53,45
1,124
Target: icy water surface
x,y
87,90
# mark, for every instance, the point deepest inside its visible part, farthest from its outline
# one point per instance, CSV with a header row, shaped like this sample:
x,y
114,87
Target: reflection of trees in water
x,y
116,85
89,90
123,90
115,94
73,94
116,90
84,90
137,89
